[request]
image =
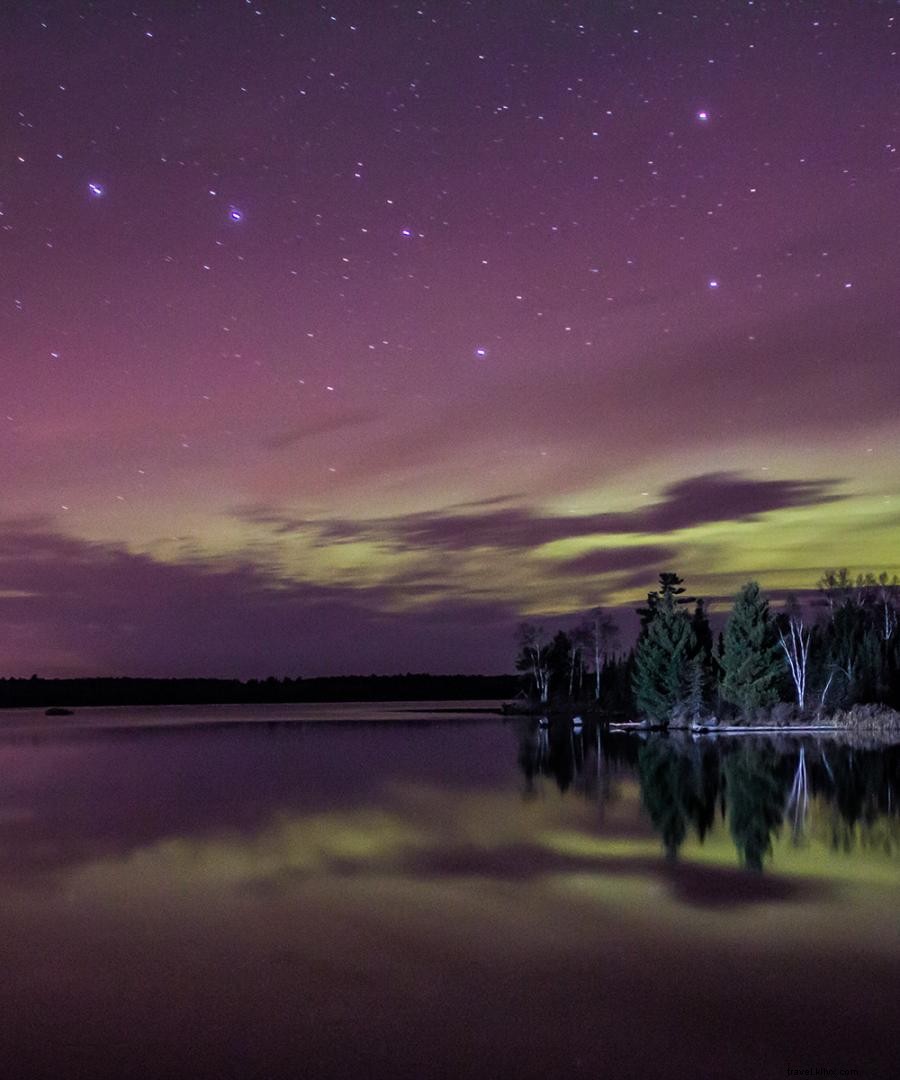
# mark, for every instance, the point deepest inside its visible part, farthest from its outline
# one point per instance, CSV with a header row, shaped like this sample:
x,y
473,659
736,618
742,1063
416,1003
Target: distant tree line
x,y
841,651
37,692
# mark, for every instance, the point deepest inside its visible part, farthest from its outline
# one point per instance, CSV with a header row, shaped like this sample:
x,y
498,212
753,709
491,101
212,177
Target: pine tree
x,y
696,701
670,584
664,660
704,684
751,662
702,632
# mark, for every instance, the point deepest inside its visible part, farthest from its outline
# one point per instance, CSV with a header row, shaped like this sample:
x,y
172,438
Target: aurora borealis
x,y
338,337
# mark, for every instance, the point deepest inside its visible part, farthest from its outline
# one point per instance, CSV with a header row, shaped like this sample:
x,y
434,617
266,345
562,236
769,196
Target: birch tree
x,y
582,637
794,639
888,594
604,634
534,657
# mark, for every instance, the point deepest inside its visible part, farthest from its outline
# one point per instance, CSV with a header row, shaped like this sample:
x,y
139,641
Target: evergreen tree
x,y
664,661
670,584
697,690
853,653
751,662
703,689
702,631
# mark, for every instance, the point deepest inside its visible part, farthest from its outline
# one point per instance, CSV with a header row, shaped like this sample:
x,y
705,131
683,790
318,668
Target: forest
x,y
37,692
836,649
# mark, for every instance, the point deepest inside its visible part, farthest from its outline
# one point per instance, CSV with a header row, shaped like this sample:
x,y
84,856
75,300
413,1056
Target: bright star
x,y
481,351
713,283
97,190
703,116
235,213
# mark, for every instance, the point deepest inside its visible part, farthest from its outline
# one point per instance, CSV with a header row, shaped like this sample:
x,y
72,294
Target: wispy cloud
x,y
700,500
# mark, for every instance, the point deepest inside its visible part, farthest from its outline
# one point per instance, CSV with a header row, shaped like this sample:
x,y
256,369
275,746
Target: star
x,y
702,116
97,190
235,214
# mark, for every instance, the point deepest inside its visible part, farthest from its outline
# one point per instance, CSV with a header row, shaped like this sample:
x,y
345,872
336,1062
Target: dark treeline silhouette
x,y
839,651
754,786
37,692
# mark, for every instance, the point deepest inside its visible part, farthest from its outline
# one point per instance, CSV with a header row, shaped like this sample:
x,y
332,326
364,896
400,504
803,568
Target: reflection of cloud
x,y
445,843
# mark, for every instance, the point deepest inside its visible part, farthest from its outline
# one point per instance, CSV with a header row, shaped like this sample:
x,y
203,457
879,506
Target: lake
x,y
390,891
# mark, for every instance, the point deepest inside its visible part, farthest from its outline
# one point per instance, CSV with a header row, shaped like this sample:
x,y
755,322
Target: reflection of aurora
x,y
424,834
294,897
838,794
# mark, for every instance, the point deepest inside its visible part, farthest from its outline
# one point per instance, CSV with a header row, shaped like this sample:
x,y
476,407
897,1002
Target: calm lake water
x,y
471,898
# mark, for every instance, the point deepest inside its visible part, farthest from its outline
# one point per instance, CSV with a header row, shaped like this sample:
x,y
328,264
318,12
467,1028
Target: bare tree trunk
x,y
825,691
796,651
889,620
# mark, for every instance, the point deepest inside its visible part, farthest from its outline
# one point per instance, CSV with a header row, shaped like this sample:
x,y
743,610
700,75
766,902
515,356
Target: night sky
x,y
338,337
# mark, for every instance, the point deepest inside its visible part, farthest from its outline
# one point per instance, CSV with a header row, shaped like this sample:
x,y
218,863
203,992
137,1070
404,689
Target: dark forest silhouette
x,y
37,692
838,651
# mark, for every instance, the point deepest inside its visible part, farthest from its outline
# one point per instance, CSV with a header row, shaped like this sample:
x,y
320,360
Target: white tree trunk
x,y
796,651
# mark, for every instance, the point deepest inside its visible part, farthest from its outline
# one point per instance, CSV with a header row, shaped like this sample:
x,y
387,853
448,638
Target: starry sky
x,y
340,336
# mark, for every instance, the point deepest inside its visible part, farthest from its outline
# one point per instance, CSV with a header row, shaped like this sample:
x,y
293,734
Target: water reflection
x,y
754,786
381,901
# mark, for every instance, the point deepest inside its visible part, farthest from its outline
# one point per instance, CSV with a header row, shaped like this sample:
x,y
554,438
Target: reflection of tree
x,y
565,756
662,776
567,750
755,793
685,782
679,786
798,799
533,749
864,785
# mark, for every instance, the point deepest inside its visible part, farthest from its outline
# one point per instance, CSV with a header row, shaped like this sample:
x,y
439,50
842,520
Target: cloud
x,y
70,607
325,425
700,500
648,395
617,559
